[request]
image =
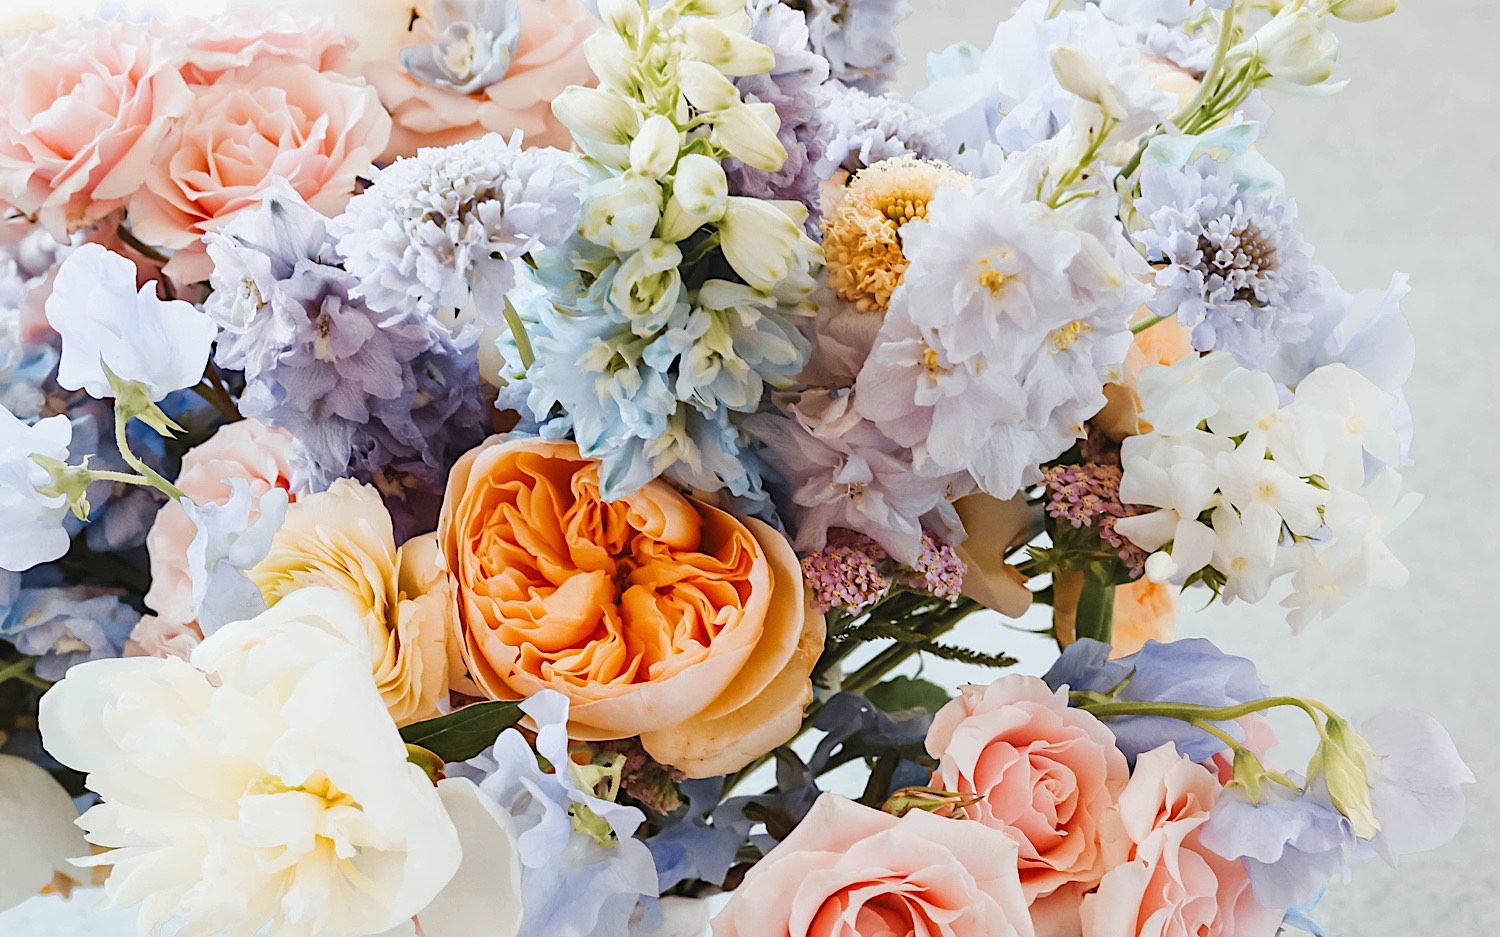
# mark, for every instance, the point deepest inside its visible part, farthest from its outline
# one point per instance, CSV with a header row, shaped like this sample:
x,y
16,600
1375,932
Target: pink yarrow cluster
x,y
1082,494
852,572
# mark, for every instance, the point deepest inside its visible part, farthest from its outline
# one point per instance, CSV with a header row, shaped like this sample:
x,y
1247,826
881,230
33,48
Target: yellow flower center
x,y
1063,337
992,279
930,363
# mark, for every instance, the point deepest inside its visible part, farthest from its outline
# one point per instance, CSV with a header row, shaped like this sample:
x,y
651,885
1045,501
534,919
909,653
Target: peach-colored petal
x,y
994,528
1144,611
655,614
1166,342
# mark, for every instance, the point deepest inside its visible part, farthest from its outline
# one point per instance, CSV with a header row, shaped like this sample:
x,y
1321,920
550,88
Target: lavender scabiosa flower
x,y
792,88
63,626
1079,495
859,38
1230,264
441,231
862,129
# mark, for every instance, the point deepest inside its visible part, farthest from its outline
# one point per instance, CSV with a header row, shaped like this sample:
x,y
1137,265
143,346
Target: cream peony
x,y
261,785
36,826
342,539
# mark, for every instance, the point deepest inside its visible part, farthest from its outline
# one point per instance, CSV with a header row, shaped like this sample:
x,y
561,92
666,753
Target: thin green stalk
x,y
134,461
1104,708
1145,324
518,332
16,669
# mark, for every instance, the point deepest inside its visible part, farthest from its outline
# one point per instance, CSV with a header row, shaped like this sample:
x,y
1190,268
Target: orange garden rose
x,y
1144,611
656,615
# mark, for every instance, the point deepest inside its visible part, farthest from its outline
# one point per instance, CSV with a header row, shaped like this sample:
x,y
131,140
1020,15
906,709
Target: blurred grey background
x,y
1399,172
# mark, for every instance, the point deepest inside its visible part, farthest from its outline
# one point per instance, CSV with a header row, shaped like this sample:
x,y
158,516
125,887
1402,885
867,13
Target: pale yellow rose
x,y
342,539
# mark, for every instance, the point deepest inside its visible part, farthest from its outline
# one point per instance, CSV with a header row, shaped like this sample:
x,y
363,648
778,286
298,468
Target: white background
x,y
1400,172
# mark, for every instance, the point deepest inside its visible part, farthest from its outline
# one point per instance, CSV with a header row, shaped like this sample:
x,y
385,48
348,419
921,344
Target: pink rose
x,y
252,35
852,871
83,110
318,130
549,57
247,449
158,637
1168,883
1046,774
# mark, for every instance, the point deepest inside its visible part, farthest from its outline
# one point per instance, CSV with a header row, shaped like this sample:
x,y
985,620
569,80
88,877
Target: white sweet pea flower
x,y
106,323
486,890
37,826
260,788
1080,74
32,521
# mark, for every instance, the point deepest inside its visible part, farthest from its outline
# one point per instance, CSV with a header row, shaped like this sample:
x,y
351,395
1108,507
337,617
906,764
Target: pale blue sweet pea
x,y
570,883
63,626
1291,844
1191,671
225,545
689,848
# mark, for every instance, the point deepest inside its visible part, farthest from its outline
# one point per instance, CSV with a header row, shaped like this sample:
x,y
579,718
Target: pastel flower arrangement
x,y
487,465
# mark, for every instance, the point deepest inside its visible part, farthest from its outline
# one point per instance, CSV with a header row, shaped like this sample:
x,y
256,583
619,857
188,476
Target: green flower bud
x,y
1342,761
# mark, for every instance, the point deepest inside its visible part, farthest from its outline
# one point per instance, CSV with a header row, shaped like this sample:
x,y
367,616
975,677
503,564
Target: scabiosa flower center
x,y
1241,260
862,232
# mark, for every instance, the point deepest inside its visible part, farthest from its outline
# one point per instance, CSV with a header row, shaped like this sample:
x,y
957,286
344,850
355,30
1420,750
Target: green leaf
x,y
466,732
903,693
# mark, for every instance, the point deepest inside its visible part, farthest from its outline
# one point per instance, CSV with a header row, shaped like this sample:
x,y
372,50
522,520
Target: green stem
x,y
1104,708
1096,608
1145,324
518,332
16,669
123,478
135,462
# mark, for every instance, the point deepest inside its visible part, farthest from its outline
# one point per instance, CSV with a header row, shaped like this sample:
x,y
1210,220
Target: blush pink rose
x,y
158,637
1169,884
248,449
83,111
1044,773
549,57
853,871
252,35
317,130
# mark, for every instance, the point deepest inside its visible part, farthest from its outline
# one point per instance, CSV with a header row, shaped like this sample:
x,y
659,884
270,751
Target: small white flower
x,y
1176,398
1254,484
621,212
261,786
105,322
1247,401
1180,480
32,521
1245,551
1339,415
654,150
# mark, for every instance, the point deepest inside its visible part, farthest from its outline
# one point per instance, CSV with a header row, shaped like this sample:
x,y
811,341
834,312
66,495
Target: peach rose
x,y
549,57
251,35
852,871
317,130
1046,774
1167,342
1144,611
342,539
1169,884
83,110
248,449
656,615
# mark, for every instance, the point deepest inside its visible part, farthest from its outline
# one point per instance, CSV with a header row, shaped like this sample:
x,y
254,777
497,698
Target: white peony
x,y
36,826
261,785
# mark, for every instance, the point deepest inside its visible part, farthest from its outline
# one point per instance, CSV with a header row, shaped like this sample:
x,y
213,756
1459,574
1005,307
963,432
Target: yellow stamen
x,y
1064,336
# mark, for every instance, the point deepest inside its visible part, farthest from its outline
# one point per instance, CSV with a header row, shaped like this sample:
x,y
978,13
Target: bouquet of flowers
x,y
494,470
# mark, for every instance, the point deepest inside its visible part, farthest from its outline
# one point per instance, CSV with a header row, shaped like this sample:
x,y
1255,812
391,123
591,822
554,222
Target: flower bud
x,y
646,287
730,52
1362,11
1296,50
654,150
611,60
1342,761
622,214
760,241
711,8
705,88
602,123
1081,75
748,133
1160,567
700,192
622,16
933,800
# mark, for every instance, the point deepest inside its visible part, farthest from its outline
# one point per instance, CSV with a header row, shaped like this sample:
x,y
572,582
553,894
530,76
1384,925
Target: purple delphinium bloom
x,y
862,129
792,88
1231,266
570,882
1192,671
63,626
689,848
442,231
318,362
859,38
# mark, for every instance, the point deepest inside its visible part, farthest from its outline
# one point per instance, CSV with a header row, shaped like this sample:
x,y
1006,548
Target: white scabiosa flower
x,y
443,229
263,785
